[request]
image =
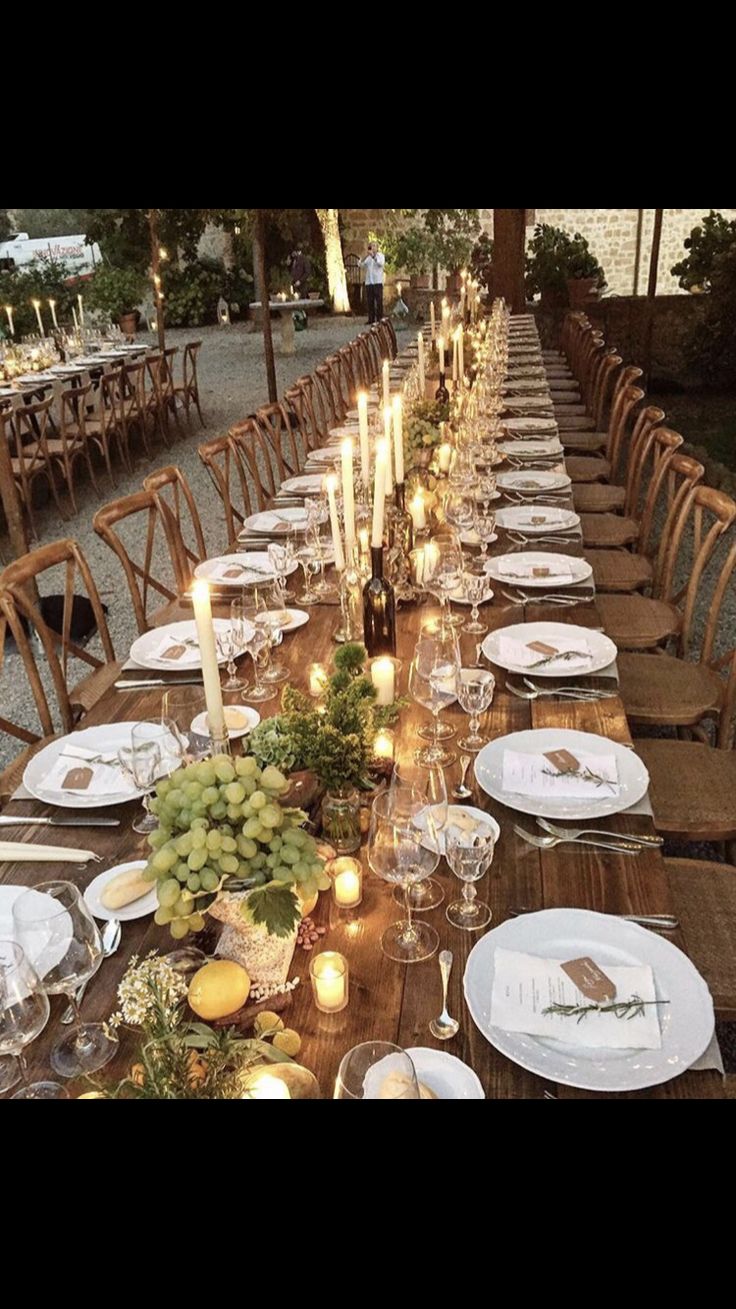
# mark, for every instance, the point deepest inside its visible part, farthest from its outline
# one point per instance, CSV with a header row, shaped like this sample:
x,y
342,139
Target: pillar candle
x,y
80,302
379,495
418,512
422,375
444,455
11,324
399,438
365,449
208,651
348,496
52,307
37,306
433,321
331,483
441,349
386,383
383,677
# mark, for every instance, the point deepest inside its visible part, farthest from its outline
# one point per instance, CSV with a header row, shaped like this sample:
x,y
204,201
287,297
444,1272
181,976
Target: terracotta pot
x,y
129,323
421,282
580,290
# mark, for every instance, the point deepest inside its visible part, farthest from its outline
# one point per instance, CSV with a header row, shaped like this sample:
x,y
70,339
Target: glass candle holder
x,y
328,973
384,676
318,678
347,882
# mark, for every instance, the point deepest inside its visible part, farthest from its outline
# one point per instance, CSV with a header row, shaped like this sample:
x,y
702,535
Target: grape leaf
x,y
275,906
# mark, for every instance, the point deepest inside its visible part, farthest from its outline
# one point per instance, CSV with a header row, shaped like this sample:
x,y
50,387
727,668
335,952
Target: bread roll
x,y
125,888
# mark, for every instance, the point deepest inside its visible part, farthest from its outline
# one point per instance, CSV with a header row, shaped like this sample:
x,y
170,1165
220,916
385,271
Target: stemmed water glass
x,y
258,647
142,761
469,858
484,524
430,784
475,585
24,1012
233,645
376,1071
475,689
433,684
403,854
179,707
60,939
270,621
443,570
307,557
280,557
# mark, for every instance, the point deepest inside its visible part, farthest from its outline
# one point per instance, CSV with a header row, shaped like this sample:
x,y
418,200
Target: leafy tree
x,y
707,243
44,280
6,227
51,222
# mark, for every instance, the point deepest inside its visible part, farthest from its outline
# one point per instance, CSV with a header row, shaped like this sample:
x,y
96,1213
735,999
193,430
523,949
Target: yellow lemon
x,y
308,902
218,990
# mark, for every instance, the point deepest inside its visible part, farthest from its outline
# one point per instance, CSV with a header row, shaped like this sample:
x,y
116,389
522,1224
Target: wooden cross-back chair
x,y
353,372
340,382
72,442
259,459
334,406
636,622
174,497
280,431
591,493
300,399
105,425
188,392
389,332
583,427
364,361
29,621
322,405
649,444
25,428
168,380
226,465
134,402
147,528
379,345
157,409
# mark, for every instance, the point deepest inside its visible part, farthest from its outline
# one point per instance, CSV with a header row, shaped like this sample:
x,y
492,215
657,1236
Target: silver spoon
x,y
444,1027
111,935
463,792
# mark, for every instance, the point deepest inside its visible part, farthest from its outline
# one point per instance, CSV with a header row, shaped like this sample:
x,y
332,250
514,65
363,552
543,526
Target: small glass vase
x,y
341,820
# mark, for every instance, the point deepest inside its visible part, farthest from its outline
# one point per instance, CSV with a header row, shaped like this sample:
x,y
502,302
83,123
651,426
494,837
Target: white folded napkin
x,y
536,776
530,572
524,986
173,651
518,653
106,779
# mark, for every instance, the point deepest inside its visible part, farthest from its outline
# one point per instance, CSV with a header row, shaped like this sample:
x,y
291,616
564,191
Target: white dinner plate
x,y
528,406
687,1022
142,651
537,520
297,618
446,1075
147,904
310,484
540,449
526,386
531,426
472,538
326,454
43,905
339,434
276,522
509,569
251,718
633,778
479,815
255,569
105,739
602,650
534,482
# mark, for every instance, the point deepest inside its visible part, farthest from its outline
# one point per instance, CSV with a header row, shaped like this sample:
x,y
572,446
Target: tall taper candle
x,y
52,307
461,353
388,471
331,484
383,452
11,324
399,437
422,375
433,320
76,320
80,302
348,496
386,383
37,306
208,651
441,351
365,448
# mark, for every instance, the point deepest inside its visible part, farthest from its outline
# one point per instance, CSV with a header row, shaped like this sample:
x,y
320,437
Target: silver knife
x,y
144,685
7,820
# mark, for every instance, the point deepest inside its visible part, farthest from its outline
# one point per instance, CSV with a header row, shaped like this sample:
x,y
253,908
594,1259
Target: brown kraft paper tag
x,y
541,572
174,652
590,980
233,572
539,647
78,779
563,760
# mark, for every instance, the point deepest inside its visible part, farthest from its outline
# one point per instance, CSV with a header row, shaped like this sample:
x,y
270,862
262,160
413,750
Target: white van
x,y
20,250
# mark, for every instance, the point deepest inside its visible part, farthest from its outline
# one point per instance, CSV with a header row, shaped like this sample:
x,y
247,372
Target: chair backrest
x,y
110,399
189,367
28,429
134,388
225,462
607,370
169,383
276,424
389,332
640,451
618,446
330,373
140,512
712,514
24,613
174,495
72,414
684,475
259,459
300,399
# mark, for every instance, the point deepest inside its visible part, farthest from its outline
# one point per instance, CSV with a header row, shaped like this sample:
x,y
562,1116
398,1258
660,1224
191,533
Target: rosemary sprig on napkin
x,y
584,774
628,1009
566,654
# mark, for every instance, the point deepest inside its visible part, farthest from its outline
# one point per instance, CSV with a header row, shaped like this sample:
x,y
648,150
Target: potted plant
x,y
412,251
546,265
707,245
481,262
455,232
585,276
117,292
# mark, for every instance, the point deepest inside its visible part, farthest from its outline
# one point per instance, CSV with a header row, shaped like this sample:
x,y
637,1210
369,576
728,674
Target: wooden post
x,y
11,500
652,292
259,270
509,240
158,299
637,257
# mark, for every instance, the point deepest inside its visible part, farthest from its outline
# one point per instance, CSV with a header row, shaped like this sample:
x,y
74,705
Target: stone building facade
x,y
612,234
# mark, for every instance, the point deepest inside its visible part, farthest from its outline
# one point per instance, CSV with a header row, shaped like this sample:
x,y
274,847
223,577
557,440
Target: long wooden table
x,y
389,1001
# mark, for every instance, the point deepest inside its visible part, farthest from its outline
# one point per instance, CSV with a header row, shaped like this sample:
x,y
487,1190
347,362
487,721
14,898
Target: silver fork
x,y
652,842
576,693
562,602
590,692
620,846
111,936
520,540
664,922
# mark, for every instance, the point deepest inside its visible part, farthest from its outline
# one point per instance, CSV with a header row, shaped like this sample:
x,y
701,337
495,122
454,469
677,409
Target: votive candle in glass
x,y
328,973
318,679
383,746
347,883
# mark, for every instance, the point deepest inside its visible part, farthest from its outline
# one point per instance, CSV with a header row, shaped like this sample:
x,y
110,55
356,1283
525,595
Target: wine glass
x,y
376,1071
258,647
280,557
432,683
475,690
142,761
62,943
469,858
443,570
307,557
271,622
403,854
429,783
475,585
233,645
484,523
24,1012
179,708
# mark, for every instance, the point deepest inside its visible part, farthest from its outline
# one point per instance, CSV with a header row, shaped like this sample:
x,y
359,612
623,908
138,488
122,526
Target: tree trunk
x,y
509,235
336,277
158,295
259,270
652,292
11,501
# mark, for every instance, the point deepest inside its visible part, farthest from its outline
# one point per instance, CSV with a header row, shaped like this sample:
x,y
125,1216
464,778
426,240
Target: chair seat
x,y
634,622
584,441
564,411
580,422
704,899
85,695
606,531
659,689
693,789
618,570
587,468
598,499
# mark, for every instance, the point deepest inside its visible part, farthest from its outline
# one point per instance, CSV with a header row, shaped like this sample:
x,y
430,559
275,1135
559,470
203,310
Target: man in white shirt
x,y
374,266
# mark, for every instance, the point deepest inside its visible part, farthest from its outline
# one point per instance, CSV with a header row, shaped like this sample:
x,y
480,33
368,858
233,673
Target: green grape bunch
x,y
222,827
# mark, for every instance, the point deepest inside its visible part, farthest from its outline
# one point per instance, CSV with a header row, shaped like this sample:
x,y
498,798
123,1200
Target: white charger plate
x,y
530,426
579,569
43,906
104,739
531,450
543,481
141,650
633,778
309,484
147,904
519,519
447,1076
200,725
276,522
263,575
602,649
687,1022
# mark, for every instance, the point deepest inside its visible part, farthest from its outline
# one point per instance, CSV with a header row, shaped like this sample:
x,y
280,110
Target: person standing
x,y
374,265
299,271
